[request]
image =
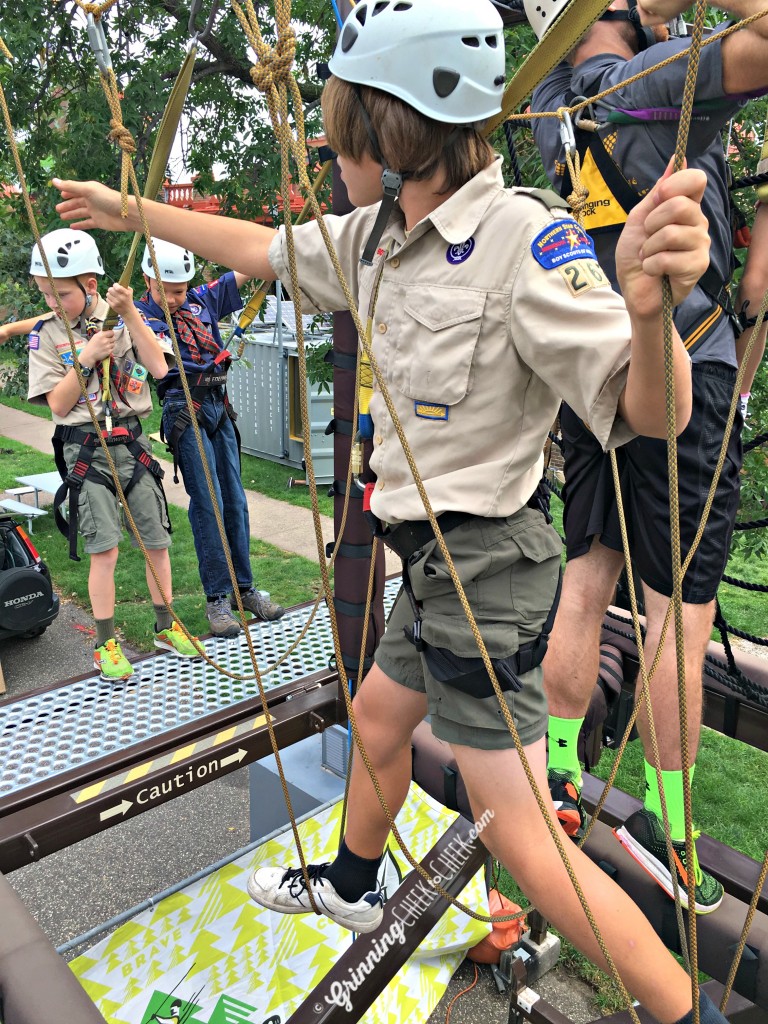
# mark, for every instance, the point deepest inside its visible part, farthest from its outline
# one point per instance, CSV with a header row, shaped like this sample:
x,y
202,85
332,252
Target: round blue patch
x,y
460,252
195,308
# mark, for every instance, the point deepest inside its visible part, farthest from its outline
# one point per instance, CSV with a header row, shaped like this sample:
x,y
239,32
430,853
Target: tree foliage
x,y
62,119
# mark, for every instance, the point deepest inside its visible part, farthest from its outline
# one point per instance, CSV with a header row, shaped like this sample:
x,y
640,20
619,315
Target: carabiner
x,y
98,43
567,136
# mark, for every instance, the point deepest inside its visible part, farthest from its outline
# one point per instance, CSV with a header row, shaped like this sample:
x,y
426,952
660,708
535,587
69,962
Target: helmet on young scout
x,y
542,14
175,263
69,254
444,58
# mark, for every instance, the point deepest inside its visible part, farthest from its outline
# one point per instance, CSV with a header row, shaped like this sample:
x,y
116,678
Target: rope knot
x,y
275,64
120,134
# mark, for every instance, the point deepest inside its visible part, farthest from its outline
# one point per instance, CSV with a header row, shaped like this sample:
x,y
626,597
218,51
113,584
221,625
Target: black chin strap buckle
x,y
391,183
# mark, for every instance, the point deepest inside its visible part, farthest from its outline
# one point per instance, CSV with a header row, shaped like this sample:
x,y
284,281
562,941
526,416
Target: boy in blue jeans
x,y
195,313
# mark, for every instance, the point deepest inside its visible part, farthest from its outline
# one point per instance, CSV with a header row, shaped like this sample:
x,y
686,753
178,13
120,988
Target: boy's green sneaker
x,y
111,663
175,641
642,836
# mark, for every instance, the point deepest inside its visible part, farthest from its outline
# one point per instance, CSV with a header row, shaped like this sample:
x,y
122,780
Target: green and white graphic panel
x,y
209,955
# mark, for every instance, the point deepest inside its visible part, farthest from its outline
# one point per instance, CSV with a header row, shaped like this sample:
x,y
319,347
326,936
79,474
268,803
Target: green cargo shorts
x,y
100,516
509,570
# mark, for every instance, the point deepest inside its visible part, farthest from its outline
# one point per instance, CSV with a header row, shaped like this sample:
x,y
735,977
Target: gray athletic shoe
x,y
259,605
220,617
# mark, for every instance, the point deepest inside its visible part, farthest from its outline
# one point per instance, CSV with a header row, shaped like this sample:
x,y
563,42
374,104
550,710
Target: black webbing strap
x,y
184,419
83,470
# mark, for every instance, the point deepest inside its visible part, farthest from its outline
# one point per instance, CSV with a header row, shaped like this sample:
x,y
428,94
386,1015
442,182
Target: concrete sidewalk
x,y
287,526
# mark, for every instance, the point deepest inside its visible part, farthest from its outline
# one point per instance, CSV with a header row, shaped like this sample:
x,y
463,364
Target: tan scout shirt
x,y
477,341
50,359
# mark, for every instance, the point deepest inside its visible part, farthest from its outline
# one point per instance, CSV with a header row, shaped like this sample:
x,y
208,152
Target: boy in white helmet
x,y
131,351
479,328
195,313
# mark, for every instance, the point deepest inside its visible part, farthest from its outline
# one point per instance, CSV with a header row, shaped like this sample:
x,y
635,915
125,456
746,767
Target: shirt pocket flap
x,y
445,307
434,353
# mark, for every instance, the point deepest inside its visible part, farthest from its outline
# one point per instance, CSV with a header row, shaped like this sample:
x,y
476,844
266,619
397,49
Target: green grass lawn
x,y
289,578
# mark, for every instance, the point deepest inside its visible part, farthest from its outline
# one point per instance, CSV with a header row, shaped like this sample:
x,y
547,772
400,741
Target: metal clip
x,y
567,136
98,43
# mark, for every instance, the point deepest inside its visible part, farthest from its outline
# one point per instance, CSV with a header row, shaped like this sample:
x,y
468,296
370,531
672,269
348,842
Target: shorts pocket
x,y
86,516
534,577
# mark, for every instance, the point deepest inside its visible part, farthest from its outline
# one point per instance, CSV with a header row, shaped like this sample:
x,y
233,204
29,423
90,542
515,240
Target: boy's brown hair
x,y
409,141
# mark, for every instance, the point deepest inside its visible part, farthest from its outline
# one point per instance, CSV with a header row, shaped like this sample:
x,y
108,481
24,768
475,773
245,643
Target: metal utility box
x,y
264,388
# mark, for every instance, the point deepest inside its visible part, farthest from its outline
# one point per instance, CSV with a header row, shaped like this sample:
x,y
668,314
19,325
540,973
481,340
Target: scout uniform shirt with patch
x,y
50,359
491,311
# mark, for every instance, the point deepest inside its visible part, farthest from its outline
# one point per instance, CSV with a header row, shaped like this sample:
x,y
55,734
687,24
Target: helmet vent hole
x,y
348,37
403,7
382,5
445,81
472,41
360,14
492,41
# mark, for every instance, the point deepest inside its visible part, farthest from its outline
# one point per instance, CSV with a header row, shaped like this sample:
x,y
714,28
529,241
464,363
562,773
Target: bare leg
x,y
518,836
161,560
101,583
573,657
386,715
697,624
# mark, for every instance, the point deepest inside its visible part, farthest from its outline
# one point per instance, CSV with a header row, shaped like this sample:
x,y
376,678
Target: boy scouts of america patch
x,y
561,242
460,252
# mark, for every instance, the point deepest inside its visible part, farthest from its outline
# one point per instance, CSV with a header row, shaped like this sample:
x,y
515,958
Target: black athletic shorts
x,y
590,503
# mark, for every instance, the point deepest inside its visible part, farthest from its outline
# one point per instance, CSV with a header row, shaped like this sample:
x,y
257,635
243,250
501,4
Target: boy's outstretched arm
x,y
665,234
232,243
16,328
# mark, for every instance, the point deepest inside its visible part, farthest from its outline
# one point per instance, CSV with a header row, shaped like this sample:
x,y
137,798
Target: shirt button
x,y
378,439
394,262
380,485
382,328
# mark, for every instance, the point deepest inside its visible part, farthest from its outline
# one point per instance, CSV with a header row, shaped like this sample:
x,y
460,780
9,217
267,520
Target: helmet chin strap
x,y
391,184
645,36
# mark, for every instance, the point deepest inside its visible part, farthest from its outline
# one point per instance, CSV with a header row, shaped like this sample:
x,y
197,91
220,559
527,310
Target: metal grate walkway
x,y
48,733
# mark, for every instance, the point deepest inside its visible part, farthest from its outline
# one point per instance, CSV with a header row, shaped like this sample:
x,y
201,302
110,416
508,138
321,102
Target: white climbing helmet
x,y
445,58
542,14
176,264
69,254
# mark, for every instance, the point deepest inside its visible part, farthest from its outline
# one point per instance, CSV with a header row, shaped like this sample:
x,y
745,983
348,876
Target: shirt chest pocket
x,y
436,340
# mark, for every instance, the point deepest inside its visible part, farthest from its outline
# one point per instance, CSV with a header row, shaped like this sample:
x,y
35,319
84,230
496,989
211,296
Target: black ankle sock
x,y
352,876
163,618
708,1012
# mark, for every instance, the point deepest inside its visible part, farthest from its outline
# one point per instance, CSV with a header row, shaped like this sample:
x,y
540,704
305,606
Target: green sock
x,y
105,630
563,755
163,618
673,793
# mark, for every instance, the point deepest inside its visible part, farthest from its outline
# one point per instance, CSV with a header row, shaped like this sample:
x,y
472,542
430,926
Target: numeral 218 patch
x,y
582,275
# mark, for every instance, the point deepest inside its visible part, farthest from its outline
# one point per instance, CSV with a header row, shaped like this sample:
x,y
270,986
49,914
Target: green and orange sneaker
x,y
175,641
642,836
566,797
110,662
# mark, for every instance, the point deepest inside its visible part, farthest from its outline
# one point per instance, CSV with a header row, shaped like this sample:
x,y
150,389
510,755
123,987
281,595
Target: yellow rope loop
x,y
122,136
274,63
578,197
4,50
95,9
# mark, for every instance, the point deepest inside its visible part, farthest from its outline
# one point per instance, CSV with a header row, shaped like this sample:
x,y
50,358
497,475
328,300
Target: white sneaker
x,y
284,890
